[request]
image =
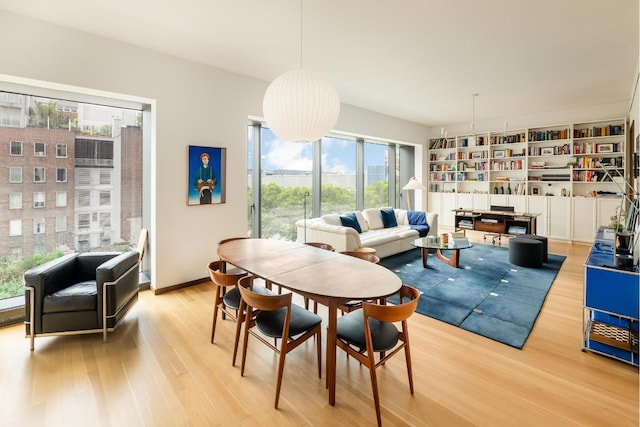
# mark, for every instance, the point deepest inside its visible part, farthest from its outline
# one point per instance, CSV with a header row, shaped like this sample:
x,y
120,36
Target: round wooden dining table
x,y
329,278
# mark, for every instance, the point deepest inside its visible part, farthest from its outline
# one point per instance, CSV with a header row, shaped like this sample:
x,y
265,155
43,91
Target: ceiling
x,y
419,60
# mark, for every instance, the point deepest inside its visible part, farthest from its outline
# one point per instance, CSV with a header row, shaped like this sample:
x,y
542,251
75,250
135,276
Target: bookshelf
x,y
556,160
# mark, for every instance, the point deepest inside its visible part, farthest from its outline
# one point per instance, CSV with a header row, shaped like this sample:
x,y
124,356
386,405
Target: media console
x,y
496,222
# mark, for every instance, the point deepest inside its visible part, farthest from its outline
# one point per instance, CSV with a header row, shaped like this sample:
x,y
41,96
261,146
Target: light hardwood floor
x,y
159,369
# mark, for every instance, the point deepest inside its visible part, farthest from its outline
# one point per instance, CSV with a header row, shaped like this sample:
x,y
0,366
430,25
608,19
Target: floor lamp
x,y
413,184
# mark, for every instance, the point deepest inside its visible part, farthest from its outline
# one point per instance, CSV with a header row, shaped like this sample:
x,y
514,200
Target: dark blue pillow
x,y
416,218
388,218
350,221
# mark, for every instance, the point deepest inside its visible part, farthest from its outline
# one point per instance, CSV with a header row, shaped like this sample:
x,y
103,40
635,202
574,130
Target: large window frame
x,y
403,165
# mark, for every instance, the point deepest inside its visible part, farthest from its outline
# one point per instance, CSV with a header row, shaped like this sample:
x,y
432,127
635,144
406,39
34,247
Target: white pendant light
x,y
301,105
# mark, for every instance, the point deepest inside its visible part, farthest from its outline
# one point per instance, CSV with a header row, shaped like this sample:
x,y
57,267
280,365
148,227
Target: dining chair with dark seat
x,y
370,330
227,298
274,316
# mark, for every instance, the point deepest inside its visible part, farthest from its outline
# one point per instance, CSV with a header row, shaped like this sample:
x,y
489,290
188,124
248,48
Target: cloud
x,y
287,155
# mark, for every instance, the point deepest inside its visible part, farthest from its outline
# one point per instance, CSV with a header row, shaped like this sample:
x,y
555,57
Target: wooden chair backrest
x,y
220,278
260,301
363,255
394,313
320,245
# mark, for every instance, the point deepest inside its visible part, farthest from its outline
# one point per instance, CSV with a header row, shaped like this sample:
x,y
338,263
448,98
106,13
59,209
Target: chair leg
x,y
245,344
215,317
283,355
407,354
374,387
239,322
319,350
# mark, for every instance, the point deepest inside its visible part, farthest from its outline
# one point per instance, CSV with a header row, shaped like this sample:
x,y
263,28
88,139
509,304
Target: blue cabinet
x,y
611,303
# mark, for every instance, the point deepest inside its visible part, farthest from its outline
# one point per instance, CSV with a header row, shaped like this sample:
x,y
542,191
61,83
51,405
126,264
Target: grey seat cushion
x,y
79,297
270,323
232,298
351,330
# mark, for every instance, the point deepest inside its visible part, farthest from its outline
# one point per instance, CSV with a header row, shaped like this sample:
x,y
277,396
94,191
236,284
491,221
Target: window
x,y
84,221
84,198
38,249
61,199
61,223
15,253
61,150
38,200
15,200
39,149
10,116
38,226
39,175
376,175
83,176
105,198
338,175
105,219
61,174
16,148
105,176
15,175
15,227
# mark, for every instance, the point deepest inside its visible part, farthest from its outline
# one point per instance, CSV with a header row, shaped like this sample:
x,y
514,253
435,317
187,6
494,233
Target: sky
x,y
338,155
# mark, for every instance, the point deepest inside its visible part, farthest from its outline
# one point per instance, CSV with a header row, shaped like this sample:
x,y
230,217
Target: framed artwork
x,y
605,148
206,175
546,151
476,155
535,190
499,154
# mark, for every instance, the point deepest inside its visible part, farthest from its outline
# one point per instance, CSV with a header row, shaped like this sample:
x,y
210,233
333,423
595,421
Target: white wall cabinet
x,y
584,219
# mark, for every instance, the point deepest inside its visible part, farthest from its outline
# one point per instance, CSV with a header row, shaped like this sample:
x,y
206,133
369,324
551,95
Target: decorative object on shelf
x,y
499,154
605,148
413,184
206,181
301,105
546,151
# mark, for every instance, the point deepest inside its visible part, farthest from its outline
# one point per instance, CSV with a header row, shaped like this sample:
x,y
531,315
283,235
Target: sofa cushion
x,y
332,219
388,218
350,220
372,215
79,297
362,222
423,230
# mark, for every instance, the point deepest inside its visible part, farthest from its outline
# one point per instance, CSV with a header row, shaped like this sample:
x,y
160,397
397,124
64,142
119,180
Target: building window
x,y
16,148
38,226
15,227
61,199
39,175
61,174
15,200
39,149
105,219
38,249
61,150
15,252
84,198
39,200
105,176
105,198
83,176
61,223
15,175
84,221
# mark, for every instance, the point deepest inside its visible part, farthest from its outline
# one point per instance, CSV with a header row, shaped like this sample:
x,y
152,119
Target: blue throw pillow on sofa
x,y
350,221
388,218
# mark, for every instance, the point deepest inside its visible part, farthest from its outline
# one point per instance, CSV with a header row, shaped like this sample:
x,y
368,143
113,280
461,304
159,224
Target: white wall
x,y
196,105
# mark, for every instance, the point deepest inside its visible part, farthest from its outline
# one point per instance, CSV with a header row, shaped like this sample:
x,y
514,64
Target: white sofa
x,y
386,241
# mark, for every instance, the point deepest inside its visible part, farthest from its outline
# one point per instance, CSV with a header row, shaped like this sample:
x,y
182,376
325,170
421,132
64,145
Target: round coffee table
x,y
426,243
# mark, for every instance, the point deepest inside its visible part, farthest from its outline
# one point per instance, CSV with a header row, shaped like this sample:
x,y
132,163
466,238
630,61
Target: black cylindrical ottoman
x,y
543,239
525,252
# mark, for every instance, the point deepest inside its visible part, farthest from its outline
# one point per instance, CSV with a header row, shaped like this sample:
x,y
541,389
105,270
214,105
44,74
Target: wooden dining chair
x,y
227,298
367,256
274,316
363,333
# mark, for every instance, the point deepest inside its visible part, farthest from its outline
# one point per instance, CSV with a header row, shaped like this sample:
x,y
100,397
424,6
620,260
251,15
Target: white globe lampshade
x,y
301,105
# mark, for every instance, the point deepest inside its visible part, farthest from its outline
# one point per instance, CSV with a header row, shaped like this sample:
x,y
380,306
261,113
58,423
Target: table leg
x,y
331,351
453,261
425,255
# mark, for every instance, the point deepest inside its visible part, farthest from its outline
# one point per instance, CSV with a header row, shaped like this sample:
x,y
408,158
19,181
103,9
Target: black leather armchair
x,y
80,293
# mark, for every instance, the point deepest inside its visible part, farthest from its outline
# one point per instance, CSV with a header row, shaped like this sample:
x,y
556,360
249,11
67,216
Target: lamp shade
x,y
301,105
414,184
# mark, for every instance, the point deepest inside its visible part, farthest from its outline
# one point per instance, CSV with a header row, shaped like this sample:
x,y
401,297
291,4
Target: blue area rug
x,y
487,295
